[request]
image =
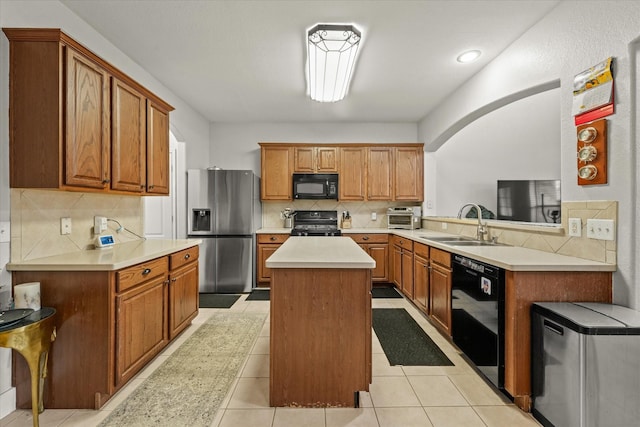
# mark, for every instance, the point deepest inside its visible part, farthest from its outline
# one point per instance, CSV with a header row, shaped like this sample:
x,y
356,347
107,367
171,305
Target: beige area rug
x,y
188,388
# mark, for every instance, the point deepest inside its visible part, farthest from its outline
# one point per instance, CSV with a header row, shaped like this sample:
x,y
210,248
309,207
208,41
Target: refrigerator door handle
x,y
557,329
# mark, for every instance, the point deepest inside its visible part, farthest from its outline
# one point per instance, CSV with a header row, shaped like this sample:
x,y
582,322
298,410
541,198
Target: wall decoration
x,y
592,153
593,93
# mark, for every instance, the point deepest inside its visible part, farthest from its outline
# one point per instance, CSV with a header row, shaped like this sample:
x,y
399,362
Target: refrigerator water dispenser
x,y
201,220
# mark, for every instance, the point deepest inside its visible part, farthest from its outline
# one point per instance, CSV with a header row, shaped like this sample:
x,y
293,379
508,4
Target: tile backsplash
x,y
360,211
35,220
548,239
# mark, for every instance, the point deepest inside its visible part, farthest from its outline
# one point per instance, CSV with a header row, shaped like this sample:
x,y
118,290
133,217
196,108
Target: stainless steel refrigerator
x,y
224,211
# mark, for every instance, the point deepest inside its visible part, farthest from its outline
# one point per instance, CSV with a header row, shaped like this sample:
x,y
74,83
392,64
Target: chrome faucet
x,y
482,228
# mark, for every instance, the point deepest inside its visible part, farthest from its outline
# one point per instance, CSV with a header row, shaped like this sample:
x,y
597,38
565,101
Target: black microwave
x,y
315,186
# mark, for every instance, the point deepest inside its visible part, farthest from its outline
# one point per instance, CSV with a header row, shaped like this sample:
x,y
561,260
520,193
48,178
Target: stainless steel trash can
x,y
585,365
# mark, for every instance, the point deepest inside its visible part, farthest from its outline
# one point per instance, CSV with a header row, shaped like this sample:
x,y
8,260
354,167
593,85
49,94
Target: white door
x,y
164,215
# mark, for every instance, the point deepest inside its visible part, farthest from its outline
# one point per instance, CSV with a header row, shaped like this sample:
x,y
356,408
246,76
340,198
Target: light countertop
x,y
119,256
320,252
513,258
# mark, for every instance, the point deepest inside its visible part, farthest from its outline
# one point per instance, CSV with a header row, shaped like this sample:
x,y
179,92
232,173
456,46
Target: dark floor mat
x,y
385,292
258,295
218,300
404,341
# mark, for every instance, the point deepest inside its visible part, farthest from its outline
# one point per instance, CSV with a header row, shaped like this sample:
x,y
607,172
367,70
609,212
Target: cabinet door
x,y
183,298
440,297
141,327
128,143
409,166
264,272
304,159
157,149
353,169
380,253
277,167
87,138
397,266
407,273
380,173
326,159
421,282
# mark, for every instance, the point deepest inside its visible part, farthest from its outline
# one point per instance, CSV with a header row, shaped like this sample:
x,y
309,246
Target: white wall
x,y
567,41
235,145
503,144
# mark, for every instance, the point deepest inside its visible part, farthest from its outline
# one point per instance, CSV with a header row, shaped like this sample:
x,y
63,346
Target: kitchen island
x,y
320,354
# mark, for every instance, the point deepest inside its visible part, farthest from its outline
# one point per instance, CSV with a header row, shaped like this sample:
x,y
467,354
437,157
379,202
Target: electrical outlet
x,y
374,216
444,225
601,229
99,224
65,226
575,227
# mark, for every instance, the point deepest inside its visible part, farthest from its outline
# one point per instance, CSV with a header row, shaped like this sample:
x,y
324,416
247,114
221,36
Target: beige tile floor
x,y
425,396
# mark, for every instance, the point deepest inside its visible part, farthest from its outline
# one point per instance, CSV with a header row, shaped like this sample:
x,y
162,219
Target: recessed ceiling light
x,y
469,56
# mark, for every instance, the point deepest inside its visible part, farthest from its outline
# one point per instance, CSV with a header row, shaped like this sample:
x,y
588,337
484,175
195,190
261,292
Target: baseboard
x,y
7,402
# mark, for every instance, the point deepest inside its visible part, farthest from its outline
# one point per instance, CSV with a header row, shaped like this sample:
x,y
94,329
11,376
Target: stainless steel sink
x,y
475,243
449,239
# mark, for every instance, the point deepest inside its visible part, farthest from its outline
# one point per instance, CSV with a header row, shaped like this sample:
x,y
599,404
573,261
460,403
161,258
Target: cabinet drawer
x,y
441,257
272,238
422,250
132,276
181,258
369,238
403,243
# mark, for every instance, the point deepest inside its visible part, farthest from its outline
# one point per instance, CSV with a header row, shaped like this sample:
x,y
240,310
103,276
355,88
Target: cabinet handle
x,y
187,256
146,271
151,187
174,280
272,238
106,181
365,238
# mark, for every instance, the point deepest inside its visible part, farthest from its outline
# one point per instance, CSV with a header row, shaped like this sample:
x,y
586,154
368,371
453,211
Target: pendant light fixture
x,y
331,57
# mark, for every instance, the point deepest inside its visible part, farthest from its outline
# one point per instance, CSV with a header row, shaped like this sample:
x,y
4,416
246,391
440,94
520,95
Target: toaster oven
x,y
406,218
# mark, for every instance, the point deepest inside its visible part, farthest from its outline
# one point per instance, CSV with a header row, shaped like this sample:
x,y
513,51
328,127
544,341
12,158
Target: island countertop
x,y
119,256
320,252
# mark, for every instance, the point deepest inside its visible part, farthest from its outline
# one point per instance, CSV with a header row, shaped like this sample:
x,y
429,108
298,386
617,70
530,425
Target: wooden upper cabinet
x,y
315,159
352,163
87,139
157,149
128,144
91,131
277,170
380,173
367,171
409,181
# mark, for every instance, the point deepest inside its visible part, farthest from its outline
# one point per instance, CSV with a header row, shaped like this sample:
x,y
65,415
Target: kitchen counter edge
x,y
119,256
513,258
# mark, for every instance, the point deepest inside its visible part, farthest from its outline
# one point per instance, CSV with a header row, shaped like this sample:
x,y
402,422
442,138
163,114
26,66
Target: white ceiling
x,y
243,61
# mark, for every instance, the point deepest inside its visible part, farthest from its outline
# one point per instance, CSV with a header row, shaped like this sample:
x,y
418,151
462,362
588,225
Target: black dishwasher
x,y
477,317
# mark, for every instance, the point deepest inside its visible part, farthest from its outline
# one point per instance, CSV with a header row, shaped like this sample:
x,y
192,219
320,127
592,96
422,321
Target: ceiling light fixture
x,y
469,56
331,56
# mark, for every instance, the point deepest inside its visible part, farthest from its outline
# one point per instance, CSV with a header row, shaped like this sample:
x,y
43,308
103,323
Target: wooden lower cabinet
x,y
109,324
141,327
377,246
403,265
421,276
440,289
267,245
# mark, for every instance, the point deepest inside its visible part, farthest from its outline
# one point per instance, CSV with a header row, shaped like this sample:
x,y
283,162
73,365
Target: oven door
x,y
477,318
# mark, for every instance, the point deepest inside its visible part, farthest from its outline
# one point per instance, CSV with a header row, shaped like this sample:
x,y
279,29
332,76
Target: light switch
x,y
601,229
374,216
